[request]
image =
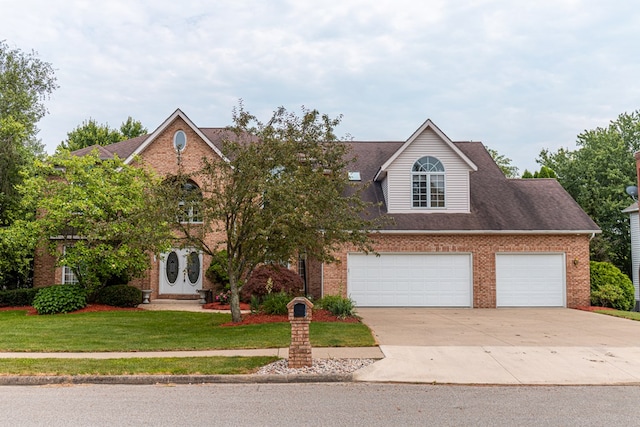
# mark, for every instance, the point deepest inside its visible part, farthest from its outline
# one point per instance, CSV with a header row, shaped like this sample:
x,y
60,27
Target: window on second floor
x,y
428,183
190,203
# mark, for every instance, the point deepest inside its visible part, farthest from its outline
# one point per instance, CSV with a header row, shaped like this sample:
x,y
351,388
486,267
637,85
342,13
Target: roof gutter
x,y
527,232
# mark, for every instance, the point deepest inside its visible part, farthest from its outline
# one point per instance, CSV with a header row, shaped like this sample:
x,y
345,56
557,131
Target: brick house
x,y
462,234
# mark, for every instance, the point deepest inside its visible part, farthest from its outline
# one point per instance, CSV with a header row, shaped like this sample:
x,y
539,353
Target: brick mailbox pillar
x,y
300,317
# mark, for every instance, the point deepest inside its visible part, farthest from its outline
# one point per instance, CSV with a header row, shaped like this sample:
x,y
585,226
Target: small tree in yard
x,y
279,190
100,214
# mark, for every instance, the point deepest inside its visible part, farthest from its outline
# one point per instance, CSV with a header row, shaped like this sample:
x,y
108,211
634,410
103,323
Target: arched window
x,y
190,202
427,180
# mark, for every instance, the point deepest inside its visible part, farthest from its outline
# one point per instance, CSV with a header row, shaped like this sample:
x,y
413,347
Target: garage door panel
x,y
436,280
530,280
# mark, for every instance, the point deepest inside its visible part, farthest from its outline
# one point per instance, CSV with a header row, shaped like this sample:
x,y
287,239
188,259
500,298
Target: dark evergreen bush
x,y
60,299
217,271
610,287
271,278
17,297
120,296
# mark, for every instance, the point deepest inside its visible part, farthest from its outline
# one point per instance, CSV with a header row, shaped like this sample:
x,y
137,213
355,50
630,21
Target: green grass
x,y
632,315
158,331
136,366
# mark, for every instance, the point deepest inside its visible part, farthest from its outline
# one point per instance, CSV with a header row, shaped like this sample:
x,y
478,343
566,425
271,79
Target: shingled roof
x,y
498,204
122,149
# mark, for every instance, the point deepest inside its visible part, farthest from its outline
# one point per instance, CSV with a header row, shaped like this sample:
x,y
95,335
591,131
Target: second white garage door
x,y
530,280
410,280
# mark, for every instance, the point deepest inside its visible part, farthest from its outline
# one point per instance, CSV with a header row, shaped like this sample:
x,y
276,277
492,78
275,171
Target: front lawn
x,y
136,366
158,331
632,315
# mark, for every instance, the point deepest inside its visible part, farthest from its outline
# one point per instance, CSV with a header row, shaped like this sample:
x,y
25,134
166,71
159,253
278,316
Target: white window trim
x,y
68,276
175,142
428,175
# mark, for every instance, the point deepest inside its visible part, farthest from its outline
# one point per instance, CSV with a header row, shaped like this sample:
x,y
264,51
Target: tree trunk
x,y
236,316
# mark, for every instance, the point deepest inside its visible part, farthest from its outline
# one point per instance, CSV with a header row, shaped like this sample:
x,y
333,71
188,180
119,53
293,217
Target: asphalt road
x,y
337,404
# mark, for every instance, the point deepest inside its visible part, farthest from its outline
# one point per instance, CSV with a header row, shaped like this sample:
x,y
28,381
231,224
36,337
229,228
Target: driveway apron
x,y
502,346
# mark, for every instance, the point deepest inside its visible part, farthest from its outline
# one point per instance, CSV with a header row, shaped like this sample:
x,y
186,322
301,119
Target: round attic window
x,y
179,140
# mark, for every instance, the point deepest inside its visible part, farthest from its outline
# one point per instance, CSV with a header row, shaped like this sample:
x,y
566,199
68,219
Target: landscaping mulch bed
x,y
316,316
247,319
218,306
256,318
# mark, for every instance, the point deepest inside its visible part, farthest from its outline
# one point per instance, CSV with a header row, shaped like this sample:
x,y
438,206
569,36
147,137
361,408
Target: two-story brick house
x,y
462,234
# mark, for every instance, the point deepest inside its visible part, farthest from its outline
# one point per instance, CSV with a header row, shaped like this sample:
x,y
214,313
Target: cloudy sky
x,y
519,76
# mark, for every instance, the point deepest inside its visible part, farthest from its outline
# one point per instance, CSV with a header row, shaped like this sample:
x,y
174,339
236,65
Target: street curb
x,y
39,380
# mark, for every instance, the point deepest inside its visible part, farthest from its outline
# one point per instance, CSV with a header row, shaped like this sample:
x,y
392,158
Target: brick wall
x,y
161,156
483,249
45,272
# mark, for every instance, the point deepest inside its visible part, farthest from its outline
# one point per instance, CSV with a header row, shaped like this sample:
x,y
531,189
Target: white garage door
x,y
530,280
410,280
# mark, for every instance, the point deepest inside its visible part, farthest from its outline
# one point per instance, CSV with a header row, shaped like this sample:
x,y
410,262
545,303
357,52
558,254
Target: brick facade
x,y
330,279
45,272
483,249
162,157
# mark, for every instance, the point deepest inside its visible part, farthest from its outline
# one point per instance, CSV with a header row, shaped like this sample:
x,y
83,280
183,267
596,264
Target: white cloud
x,y
520,76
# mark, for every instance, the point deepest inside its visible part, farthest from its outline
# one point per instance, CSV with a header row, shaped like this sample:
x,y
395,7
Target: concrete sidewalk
x,y
506,365
316,352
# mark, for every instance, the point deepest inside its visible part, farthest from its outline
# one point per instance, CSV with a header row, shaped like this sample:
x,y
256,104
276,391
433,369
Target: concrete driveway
x,y
502,346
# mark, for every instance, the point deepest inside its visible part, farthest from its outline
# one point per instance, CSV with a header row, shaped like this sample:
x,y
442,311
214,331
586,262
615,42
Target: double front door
x,y
180,272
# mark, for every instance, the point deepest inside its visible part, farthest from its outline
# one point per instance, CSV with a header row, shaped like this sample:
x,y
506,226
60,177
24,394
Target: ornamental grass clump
x,y
338,306
276,303
60,299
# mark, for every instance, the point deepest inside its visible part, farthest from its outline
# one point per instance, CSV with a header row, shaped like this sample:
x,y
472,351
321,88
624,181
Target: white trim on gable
x,y
427,124
163,126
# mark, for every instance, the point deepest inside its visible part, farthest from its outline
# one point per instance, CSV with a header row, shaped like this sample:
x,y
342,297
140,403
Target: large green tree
x,y
504,163
596,175
101,211
278,191
90,132
25,83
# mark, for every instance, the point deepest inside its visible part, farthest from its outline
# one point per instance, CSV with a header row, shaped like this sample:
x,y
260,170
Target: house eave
x,y
163,126
485,232
427,124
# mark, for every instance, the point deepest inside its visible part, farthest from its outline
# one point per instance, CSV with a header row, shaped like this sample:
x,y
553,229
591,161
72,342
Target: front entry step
x,y
173,304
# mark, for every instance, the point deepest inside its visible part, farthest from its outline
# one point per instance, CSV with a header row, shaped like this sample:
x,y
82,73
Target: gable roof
x,y
151,137
428,124
498,204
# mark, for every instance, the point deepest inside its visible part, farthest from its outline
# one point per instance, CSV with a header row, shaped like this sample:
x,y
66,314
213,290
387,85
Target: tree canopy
x,y
596,175
25,83
504,163
278,191
100,211
544,172
90,132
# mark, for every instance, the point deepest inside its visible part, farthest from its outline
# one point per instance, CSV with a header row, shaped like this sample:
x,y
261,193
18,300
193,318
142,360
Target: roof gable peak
x,y
428,124
154,135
